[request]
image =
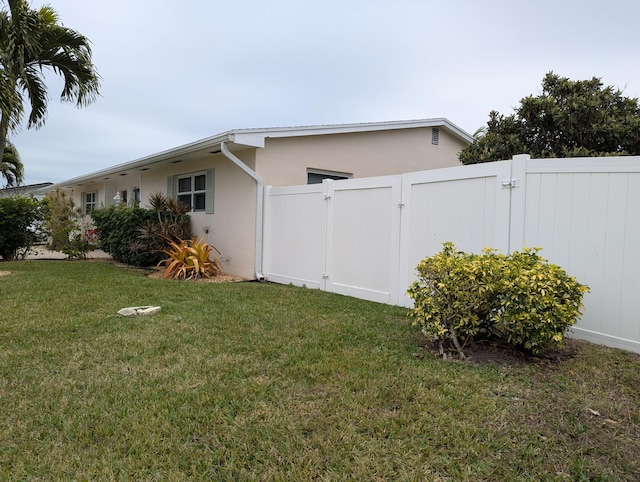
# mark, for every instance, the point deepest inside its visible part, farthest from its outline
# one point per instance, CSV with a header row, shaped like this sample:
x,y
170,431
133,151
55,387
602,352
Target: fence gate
x,y
363,222
295,235
469,206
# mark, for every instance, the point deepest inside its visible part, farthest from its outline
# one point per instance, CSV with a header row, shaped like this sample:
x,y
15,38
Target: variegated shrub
x,y
520,299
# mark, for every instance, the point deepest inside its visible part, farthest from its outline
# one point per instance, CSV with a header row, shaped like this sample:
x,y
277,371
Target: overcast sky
x,y
174,71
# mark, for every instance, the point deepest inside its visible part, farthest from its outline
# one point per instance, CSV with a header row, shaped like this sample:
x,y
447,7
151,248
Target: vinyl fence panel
x,y
464,205
295,234
363,238
585,214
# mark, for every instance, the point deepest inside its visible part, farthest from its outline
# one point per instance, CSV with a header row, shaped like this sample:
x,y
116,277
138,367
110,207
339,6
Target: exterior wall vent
x,y
435,136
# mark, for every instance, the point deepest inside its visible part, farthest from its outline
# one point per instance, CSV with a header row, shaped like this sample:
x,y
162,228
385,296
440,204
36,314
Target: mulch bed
x,y
488,353
223,278
156,273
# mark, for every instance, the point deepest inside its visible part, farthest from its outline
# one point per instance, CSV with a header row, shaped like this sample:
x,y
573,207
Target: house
x,y
222,177
27,190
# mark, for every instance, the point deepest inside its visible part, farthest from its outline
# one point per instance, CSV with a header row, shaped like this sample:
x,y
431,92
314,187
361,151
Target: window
x,y
435,136
192,191
315,176
195,190
89,201
124,197
135,192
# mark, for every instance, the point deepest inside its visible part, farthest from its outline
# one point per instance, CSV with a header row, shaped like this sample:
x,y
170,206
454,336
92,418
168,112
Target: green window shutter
x,y
208,199
170,187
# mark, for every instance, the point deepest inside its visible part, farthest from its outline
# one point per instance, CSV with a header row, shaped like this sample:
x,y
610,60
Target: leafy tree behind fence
x,y
568,119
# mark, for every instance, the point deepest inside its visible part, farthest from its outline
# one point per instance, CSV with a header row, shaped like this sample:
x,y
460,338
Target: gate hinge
x,y
401,204
325,275
510,183
327,197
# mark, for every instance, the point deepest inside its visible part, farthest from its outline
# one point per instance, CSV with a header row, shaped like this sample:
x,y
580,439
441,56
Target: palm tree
x,y
31,42
11,167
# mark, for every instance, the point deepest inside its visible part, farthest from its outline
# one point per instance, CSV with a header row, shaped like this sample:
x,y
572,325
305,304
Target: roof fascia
x,y
207,143
247,139
279,132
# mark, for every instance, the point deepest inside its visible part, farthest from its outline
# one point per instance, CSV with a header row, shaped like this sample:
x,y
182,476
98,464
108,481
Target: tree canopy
x,y
32,42
570,118
11,167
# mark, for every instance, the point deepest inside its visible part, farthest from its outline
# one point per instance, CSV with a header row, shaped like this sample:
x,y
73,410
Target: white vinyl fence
x,y
364,237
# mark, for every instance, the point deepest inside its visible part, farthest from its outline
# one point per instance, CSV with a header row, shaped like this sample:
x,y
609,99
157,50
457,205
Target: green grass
x,y
253,381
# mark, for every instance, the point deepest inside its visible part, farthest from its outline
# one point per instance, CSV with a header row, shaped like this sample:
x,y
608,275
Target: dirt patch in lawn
x,y
5,273
498,354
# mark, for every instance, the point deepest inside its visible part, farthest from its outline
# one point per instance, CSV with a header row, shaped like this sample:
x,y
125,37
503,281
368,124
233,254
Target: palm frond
x,y
31,42
11,167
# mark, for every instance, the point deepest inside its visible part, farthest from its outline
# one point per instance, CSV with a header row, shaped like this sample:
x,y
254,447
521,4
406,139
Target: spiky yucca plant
x,y
190,259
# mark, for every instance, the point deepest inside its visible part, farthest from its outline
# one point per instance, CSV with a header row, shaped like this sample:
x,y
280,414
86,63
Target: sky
x,y
173,72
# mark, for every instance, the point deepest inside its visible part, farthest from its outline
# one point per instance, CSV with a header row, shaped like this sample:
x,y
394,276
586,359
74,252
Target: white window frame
x,y
88,205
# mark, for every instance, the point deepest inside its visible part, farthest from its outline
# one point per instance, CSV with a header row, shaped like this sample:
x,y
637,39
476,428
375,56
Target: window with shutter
x,y
194,190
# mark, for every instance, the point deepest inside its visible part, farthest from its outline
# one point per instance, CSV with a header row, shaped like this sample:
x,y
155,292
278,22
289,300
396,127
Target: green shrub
x,y
171,223
117,228
20,223
137,236
454,294
519,299
538,302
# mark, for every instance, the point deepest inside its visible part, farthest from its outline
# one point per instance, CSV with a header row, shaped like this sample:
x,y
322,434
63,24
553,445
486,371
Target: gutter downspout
x,y
259,206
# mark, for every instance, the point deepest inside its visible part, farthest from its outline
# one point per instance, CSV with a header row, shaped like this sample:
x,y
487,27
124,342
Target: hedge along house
x,y
223,177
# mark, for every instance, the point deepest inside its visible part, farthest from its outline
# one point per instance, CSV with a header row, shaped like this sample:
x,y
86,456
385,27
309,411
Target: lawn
x,y
257,381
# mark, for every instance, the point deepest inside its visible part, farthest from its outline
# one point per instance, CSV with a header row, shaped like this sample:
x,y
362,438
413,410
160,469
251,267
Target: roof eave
x,y
275,132
256,138
202,144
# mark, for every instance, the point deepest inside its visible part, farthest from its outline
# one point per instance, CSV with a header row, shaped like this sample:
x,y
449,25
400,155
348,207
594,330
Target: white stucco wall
x,y
232,225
